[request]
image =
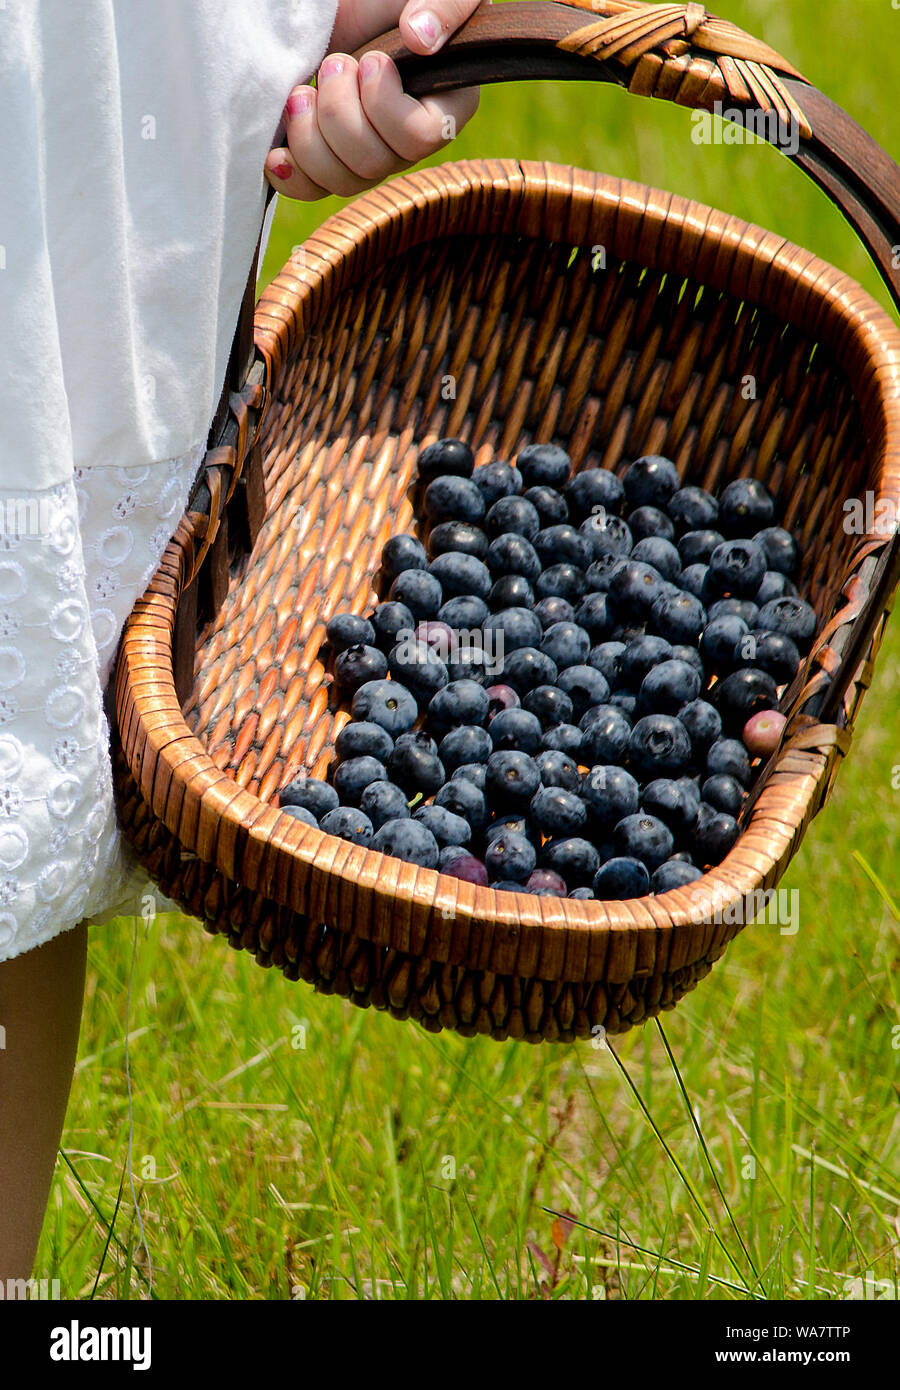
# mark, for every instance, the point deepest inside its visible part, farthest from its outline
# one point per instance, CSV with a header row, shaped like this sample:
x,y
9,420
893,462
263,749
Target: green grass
x,y
745,1148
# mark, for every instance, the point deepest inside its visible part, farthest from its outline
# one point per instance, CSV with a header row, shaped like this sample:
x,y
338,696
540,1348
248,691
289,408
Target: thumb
x,y
426,25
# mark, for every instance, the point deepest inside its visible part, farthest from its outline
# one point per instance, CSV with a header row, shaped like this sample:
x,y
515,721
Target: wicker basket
x,y
486,273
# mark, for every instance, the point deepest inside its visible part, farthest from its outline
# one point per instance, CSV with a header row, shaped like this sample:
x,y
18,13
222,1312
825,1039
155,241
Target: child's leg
x,y
41,994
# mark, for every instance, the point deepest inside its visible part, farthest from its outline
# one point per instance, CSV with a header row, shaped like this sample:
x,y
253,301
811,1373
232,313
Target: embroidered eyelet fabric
x,y
131,152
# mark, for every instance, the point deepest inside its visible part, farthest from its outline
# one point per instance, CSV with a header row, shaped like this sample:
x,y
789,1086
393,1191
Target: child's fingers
x,y
344,125
414,129
284,176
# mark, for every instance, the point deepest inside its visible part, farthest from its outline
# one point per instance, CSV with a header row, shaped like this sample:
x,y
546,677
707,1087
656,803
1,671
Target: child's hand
x,y
358,126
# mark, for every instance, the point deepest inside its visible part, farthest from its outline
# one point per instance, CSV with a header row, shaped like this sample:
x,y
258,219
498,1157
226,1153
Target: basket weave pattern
x,y
558,305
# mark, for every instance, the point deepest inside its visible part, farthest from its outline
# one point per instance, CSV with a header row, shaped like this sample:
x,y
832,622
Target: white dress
x,y
132,140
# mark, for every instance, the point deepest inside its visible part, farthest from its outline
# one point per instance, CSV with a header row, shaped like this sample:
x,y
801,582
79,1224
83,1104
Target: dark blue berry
x,y
594,488
772,652
607,659
301,814
736,568
745,507
562,544
556,811
723,793
605,535
673,801
780,549
741,695
472,772
513,516
659,746
516,728
496,480
513,554
352,777
636,587
359,664
605,737
526,668
387,703
460,702
418,667
693,580
550,505
453,537
446,456
651,481
678,617
597,615
419,591
715,833
626,701
673,874
553,610
564,738
667,687
544,465
515,628
793,617
464,799
389,620
467,744
349,630
649,522
729,756
510,857
575,859
584,685
446,826
512,778
349,824
566,644
610,794
704,725
734,608
640,656
680,652
511,591
363,739
718,641
383,801
693,509
602,572
551,705
408,840
312,794
559,769
644,837
774,585
401,553
696,547
507,822
466,612
450,498
414,764
621,878
561,581
460,575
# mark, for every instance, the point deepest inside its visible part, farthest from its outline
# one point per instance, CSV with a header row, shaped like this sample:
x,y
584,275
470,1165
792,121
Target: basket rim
x,y
420,910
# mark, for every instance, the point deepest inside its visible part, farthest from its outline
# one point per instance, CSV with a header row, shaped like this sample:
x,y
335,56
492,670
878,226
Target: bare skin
x,y
41,996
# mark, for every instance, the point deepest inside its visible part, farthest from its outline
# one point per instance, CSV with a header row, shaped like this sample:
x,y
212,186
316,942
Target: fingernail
x,y
332,67
282,170
299,102
369,66
427,28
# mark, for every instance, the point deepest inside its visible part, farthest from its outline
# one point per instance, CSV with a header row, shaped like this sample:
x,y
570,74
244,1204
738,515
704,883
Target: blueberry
x,y
544,465
514,628
772,652
745,507
352,777
729,756
546,883
606,534
496,480
556,811
511,591
512,778
508,885
703,723
718,641
512,554
553,610
467,744
463,866
743,694
516,728
696,547
461,575
674,802
575,859
640,656
349,824
301,814
659,746
597,616
460,702
651,481
610,794
607,659
466,612
693,580
780,550
566,644
414,764
594,488
621,878
563,581
636,587
510,821
602,572
388,620
559,769
446,456
415,665
678,617
526,668
681,652
387,703
562,544
511,857
584,685
774,585
673,874
693,509
446,826
383,801
715,833
401,553
550,505
606,737
735,608
513,516
349,630
450,498
647,523
475,773
736,568
551,705
501,697
667,687
644,837
564,738
419,591
438,636
583,893
408,840
626,701
793,617
466,800
457,537
311,794
723,793
359,664
362,739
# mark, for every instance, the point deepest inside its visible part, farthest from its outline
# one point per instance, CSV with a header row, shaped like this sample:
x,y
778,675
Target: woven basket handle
x,y
683,54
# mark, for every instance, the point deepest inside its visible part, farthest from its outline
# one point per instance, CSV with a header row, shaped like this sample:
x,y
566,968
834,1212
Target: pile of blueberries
x,y
563,694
